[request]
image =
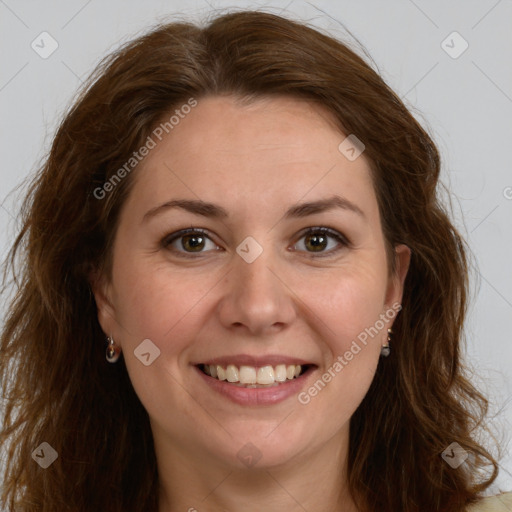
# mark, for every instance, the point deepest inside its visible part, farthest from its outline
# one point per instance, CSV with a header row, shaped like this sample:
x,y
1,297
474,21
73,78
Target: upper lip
x,y
258,361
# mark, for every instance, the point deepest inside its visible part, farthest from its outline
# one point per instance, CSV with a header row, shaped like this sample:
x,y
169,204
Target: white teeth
x,y
266,375
247,375
280,373
251,376
221,373
232,373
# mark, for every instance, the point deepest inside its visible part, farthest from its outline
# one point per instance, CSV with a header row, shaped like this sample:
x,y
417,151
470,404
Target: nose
x,y
256,299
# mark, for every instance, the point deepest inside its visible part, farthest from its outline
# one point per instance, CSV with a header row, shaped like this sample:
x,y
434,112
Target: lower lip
x,y
257,396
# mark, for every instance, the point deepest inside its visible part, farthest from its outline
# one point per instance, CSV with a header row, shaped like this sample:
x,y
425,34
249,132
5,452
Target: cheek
x,y
163,305
348,303
151,301
352,334
168,309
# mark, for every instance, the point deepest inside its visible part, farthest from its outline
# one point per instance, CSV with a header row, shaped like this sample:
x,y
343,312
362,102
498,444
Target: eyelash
x,y
342,240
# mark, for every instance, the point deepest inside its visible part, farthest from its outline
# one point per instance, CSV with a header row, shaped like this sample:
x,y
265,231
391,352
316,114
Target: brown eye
x,y
187,242
193,242
317,242
323,241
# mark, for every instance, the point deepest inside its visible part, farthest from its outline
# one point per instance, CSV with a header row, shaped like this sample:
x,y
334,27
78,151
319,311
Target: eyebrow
x,y
211,210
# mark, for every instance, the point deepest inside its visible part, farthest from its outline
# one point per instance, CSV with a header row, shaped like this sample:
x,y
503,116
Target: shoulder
x,y
498,503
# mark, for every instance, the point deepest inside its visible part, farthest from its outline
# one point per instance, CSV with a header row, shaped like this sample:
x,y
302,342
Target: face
x,y
263,286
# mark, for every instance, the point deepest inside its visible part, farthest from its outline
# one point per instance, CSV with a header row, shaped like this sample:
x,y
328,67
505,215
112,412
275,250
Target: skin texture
x,y
255,160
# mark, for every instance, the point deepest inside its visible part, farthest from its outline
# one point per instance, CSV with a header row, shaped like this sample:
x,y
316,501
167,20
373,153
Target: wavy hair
x,y
56,383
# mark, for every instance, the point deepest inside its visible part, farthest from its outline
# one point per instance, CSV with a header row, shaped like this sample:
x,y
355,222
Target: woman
x,y
247,216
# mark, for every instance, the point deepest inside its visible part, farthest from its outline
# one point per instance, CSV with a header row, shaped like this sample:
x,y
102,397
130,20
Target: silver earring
x,y
113,351
385,349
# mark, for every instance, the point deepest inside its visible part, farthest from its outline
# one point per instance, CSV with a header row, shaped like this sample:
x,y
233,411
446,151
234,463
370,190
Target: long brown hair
x,y
58,386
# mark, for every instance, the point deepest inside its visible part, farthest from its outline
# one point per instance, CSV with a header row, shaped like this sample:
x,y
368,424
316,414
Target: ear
x,y
396,281
102,291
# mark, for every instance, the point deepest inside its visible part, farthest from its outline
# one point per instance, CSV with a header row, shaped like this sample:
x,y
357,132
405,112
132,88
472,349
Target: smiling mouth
x,y
255,377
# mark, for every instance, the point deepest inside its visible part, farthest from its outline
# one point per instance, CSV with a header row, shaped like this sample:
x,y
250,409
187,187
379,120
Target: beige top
x,y
498,503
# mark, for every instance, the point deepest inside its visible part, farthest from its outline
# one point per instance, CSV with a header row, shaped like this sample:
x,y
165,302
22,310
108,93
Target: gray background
x,y
465,103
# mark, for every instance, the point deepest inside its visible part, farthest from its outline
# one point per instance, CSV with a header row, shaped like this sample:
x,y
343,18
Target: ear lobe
x,y
396,284
102,292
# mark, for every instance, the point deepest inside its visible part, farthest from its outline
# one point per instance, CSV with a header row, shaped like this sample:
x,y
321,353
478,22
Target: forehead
x,y
271,149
